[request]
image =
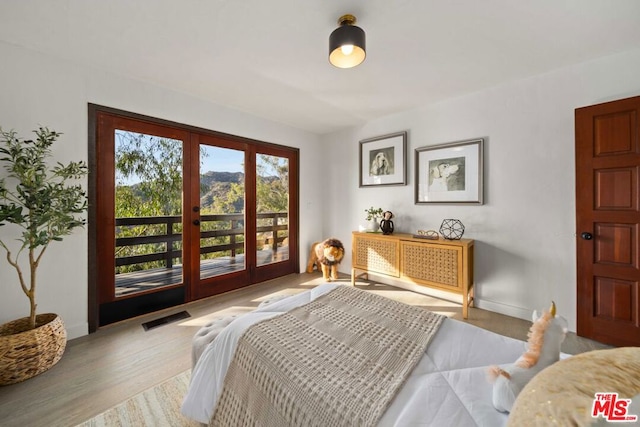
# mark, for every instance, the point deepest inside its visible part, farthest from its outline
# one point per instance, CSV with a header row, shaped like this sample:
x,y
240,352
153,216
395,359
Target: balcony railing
x,y
267,235
270,239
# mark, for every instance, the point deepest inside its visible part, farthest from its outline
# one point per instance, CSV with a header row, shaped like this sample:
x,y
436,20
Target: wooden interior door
x,y
608,221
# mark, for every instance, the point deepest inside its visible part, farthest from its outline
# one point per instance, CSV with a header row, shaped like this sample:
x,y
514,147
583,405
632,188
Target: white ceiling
x,y
269,57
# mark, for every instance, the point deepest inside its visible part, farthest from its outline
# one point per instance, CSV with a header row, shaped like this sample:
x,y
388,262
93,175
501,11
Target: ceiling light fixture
x,y
347,43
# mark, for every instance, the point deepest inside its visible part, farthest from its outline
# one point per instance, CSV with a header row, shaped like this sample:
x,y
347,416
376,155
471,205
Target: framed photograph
x,y
383,160
450,173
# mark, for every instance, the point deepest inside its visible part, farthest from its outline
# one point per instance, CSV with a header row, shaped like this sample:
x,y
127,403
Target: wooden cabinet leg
x,y
467,300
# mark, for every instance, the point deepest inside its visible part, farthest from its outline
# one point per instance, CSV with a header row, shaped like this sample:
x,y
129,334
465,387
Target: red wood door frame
x,y
278,269
201,288
105,202
102,121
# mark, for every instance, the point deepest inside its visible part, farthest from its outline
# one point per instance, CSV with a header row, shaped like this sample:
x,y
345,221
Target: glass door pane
x,y
222,219
272,209
148,212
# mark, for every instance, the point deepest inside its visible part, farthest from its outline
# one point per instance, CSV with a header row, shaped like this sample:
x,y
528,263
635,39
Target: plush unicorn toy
x,y
545,337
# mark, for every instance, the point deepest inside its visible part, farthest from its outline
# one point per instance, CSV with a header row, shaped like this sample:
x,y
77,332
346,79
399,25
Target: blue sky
x,y
222,160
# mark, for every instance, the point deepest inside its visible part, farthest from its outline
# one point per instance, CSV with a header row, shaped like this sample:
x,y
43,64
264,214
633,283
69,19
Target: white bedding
x,y
448,387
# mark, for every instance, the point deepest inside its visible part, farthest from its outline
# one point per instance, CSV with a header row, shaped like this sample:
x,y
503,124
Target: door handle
x,y
196,222
586,236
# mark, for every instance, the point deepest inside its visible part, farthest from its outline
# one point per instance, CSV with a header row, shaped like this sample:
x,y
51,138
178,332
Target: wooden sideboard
x,y
446,265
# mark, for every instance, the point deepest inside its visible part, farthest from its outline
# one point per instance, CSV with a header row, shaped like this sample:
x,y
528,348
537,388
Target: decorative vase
x,y
25,353
373,226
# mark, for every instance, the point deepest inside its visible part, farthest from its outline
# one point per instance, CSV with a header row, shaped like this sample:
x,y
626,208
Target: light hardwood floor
x,y
103,369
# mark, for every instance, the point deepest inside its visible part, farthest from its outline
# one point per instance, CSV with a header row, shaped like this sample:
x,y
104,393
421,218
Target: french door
x,y
181,214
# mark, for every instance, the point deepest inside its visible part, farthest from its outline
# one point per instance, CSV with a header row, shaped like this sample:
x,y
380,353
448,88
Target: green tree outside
x,y
149,184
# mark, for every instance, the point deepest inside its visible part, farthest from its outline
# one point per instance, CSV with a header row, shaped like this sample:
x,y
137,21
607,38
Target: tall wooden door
x,y
608,221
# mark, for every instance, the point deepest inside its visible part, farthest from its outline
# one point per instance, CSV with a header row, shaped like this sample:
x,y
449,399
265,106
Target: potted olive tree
x,y
43,205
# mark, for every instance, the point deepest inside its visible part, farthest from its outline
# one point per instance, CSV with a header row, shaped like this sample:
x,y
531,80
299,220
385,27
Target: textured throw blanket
x,y
336,361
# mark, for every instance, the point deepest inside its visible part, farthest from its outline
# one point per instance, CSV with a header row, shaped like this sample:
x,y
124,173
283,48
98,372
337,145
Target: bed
x,y
447,387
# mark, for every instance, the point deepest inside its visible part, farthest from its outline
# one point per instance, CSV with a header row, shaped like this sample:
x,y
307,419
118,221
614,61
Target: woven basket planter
x,y
27,353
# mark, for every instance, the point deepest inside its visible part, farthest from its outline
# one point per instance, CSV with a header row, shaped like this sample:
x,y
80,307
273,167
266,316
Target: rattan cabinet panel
x,y
435,264
377,255
440,264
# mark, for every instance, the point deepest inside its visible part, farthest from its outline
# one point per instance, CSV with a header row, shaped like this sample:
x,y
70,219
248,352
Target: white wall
x,y
525,231
39,90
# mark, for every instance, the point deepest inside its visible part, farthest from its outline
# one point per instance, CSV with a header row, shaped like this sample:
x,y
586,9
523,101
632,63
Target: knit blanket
x,y
336,361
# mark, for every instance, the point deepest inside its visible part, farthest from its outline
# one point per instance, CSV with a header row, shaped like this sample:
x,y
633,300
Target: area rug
x,y
157,406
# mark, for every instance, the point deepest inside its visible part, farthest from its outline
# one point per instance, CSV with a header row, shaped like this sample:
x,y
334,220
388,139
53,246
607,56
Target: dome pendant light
x,y
347,43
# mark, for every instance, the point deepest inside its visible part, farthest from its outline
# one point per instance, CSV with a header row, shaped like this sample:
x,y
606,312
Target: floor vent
x,y
165,320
